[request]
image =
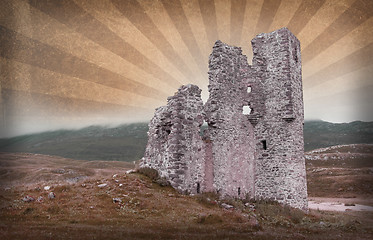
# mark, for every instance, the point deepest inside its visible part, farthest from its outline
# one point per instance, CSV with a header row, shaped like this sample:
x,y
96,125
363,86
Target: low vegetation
x,y
97,199
341,171
133,206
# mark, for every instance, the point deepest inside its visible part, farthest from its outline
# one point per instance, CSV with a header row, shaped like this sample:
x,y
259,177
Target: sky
x,y
75,63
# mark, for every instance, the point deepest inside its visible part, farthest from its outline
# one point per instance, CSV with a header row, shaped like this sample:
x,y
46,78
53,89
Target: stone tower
x,y
277,117
253,146
229,137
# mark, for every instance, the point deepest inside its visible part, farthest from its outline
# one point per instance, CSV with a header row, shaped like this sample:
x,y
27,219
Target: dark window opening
x,y
295,54
198,188
212,124
264,143
239,191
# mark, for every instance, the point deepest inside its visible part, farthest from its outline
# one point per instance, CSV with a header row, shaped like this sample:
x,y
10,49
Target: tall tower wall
x,y
280,167
229,134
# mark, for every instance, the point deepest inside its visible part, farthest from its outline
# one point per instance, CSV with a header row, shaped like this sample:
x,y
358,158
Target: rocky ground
x,y
46,197
344,171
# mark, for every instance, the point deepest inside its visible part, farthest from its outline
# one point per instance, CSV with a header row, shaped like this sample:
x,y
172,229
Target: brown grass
x,y
82,210
344,172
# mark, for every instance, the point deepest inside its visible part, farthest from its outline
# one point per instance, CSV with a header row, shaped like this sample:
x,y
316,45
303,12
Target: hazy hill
x,y
127,142
319,134
122,143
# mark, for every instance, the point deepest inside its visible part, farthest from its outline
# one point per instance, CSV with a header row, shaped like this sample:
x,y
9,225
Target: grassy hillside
x,y
343,171
104,202
122,143
127,142
319,134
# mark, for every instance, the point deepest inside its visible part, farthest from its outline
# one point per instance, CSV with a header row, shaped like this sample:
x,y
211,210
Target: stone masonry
x,y
253,145
175,147
229,136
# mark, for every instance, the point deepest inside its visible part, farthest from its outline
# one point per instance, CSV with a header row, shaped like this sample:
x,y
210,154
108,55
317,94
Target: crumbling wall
x,y
253,146
229,134
280,167
175,147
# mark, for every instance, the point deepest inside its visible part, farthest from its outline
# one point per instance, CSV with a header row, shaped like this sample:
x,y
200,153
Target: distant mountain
x,y
319,134
122,143
127,142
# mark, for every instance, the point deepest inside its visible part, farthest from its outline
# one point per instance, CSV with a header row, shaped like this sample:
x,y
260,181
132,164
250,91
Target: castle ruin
x,y
253,144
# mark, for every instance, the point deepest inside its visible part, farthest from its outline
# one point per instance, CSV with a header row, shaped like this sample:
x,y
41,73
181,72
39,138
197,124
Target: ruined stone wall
x,y
229,134
253,146
175,147
280,168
